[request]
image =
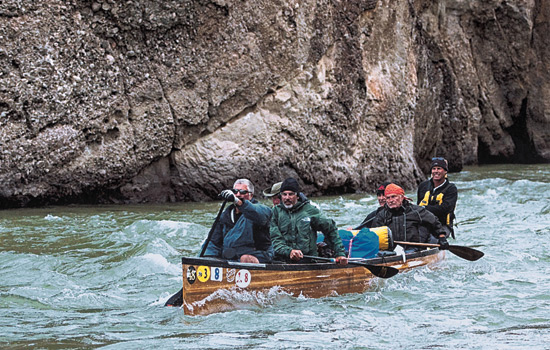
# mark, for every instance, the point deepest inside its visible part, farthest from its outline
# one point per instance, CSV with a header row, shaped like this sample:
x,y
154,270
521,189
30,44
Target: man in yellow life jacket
x,y
438,195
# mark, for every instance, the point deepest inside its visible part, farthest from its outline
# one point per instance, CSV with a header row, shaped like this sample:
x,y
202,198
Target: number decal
x,y
243,278
191,274
203,273
216,274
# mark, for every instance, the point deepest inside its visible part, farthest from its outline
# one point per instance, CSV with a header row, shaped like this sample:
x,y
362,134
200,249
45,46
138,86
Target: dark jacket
x,y
244,233
296,228
410,223
440,201
367,222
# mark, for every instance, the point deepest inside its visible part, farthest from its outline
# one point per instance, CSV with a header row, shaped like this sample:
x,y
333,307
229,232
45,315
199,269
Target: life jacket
x,y
429,198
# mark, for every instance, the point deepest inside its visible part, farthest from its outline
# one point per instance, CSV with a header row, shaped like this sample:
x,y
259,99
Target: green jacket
x,y
296,228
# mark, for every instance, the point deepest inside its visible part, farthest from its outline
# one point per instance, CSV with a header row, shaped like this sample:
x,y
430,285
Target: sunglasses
x,y
438,158
240,191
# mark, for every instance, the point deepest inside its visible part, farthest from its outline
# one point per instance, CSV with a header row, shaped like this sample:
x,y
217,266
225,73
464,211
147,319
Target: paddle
x,y
177,299
377,270
467,253
209,237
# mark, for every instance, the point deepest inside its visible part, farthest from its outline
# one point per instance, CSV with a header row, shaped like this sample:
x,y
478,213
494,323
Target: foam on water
x,y
50,217
160,264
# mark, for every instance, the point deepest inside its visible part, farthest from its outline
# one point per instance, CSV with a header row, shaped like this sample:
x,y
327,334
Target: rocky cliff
x,y
150,101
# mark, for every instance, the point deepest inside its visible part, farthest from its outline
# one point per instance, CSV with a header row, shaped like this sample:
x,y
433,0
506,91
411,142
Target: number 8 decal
x,y
216,274
243,278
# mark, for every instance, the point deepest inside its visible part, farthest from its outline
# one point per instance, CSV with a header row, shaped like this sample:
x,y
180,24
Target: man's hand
x,y
341,260
229,196
443,244
296,254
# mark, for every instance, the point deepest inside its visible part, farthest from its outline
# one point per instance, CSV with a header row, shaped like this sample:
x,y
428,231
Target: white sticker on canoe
x,y
242,279
216,274
230,275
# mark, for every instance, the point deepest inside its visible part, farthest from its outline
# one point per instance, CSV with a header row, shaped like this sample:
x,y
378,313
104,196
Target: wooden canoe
x,y
214,285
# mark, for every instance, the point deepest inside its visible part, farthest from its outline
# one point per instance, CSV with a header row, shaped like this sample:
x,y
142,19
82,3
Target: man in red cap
x,y
408,222
438,195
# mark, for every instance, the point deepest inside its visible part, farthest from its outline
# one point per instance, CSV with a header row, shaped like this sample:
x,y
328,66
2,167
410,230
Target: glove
x,y
443,244
229,196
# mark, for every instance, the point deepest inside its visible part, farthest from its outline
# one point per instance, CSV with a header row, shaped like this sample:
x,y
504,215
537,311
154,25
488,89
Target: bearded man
x,y
294,225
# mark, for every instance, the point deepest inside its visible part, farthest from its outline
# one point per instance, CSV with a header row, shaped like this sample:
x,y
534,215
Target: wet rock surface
x,y
146,101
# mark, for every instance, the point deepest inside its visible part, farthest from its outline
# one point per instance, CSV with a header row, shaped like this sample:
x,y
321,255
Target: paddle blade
x,y
176,299
467,253
380,270
460,251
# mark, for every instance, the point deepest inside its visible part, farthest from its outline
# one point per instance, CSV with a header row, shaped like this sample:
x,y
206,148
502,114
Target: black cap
x,y
290,184
440,162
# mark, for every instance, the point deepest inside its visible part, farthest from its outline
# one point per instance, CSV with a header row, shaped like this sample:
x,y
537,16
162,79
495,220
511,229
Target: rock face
x,y
151,101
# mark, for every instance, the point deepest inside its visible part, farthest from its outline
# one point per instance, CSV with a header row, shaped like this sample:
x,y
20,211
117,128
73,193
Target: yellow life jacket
x,y
438,199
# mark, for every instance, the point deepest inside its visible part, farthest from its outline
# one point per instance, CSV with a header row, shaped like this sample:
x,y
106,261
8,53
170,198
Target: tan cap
x,y
273,190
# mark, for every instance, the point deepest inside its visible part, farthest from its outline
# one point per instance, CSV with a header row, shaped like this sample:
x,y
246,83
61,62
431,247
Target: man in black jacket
x,y
438,195
408,222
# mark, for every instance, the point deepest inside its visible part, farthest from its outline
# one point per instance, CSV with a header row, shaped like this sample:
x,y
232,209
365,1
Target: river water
x,y
98,277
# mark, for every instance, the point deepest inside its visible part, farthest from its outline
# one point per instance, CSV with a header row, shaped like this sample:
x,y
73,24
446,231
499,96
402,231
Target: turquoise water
x,y
98,277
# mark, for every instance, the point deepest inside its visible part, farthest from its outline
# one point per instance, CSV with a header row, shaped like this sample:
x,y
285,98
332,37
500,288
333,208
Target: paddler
x,y
438,195
294,226
273,193
408,222
243,231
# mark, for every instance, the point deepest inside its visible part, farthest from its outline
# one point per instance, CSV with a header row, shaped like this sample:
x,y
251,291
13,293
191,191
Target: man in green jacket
x,y
294,226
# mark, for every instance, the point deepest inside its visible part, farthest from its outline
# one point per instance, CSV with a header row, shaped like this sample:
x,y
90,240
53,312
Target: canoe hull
x,y
212,285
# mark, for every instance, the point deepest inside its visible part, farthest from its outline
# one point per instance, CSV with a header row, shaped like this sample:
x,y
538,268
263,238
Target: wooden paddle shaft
x,y
417,244
319,258
467,253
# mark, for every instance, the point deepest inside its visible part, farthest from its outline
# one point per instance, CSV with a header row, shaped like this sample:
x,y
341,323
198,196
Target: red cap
x,y
393,189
